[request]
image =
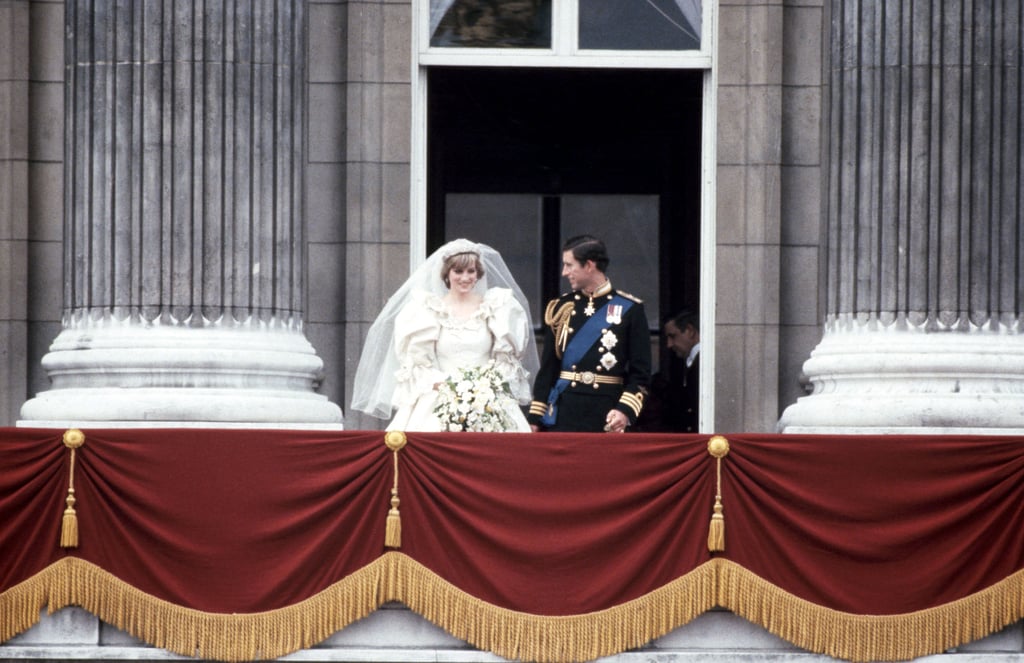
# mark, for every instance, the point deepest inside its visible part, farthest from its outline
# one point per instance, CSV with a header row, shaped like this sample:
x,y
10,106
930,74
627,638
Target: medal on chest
x,y
614,314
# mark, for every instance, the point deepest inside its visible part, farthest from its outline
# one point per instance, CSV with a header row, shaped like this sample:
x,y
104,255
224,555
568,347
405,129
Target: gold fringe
x,y
859,638
515,635
222,637
547,639
72,439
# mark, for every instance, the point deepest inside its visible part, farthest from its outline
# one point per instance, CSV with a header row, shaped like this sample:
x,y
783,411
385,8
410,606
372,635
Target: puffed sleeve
x,y
417,328
510,327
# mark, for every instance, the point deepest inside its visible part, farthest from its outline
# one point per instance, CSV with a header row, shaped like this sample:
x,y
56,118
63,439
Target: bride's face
x,y
462,279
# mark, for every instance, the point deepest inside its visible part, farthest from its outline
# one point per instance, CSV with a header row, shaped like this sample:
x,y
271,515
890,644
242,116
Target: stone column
x,y
183,262
923,332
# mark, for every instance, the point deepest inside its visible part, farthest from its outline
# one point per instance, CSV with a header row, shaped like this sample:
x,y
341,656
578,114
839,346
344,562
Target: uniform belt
x,y
588,377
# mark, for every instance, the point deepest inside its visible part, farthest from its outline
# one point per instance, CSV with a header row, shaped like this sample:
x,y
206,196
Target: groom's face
x,y
580,275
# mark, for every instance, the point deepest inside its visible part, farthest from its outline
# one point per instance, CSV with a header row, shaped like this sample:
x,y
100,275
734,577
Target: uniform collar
x,y
602,289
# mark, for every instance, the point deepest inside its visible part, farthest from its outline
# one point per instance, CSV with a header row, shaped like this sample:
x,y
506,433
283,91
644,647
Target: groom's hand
x,y
616,422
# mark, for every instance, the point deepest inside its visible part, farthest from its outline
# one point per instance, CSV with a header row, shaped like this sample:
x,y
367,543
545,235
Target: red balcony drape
x,y
237,543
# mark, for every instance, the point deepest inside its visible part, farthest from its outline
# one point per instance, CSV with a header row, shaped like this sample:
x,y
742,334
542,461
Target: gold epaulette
x,y
630,297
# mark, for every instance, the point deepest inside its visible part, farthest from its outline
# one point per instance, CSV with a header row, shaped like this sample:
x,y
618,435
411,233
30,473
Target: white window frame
x,y
562,54
564,51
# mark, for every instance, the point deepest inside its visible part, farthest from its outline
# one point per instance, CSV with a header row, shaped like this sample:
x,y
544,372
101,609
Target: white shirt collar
x,y
694,351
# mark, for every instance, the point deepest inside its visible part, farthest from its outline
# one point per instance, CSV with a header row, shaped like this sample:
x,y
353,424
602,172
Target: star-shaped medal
x,y
589,310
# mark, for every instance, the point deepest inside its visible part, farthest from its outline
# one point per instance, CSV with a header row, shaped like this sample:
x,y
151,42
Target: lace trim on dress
x,y
449,321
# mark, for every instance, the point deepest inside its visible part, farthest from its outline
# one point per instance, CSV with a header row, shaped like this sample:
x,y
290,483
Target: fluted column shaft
x,y
925,191
925,264
184,126
183,224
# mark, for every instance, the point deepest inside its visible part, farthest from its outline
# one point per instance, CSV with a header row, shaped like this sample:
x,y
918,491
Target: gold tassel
x,y
393,529
73,439
69,524
716,533
718,447
394,440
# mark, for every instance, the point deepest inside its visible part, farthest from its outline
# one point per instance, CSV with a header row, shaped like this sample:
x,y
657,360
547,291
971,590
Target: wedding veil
x,y
375,379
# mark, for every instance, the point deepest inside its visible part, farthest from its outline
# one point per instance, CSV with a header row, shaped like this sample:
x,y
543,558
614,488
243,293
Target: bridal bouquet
x,y
474,399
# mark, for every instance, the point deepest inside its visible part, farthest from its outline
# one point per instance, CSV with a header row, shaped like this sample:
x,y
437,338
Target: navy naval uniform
x,y
608,367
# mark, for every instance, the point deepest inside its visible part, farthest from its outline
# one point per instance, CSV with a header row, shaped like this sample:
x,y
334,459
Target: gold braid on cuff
x,y
634,402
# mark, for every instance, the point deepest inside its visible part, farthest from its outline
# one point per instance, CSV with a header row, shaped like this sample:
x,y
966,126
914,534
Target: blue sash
x,y
578,346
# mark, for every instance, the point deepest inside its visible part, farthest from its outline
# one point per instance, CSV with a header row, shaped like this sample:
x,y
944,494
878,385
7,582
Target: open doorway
x,y
523,158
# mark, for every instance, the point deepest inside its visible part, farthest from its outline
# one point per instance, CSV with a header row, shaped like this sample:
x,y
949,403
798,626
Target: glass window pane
x,y
640,25
491,23
510,223
628,226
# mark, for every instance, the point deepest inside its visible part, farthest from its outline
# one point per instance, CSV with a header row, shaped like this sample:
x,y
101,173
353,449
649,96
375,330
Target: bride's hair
x,y
461,261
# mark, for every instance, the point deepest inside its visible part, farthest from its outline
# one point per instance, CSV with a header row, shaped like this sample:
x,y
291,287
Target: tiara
x,y
457,246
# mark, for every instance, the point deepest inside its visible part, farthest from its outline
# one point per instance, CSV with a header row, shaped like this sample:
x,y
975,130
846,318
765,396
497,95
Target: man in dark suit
x,y
682,338
596,362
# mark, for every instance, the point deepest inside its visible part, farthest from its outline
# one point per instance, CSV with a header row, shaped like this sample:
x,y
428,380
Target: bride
x,y
442,331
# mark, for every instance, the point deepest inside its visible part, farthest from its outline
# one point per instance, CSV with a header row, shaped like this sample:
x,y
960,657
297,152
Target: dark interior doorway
x,y
522,158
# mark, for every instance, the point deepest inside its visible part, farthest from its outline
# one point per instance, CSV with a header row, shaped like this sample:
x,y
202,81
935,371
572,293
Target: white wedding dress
x,y
433,344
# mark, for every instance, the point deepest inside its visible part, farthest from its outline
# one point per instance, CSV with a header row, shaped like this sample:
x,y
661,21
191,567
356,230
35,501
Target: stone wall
x,y
770,86
375,239
31,193
357,179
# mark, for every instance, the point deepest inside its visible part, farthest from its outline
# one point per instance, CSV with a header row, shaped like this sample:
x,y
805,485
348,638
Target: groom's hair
x,y
461,261
588,247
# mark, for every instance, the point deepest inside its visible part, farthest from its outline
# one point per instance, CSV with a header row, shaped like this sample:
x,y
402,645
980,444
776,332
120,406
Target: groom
x,y
596,362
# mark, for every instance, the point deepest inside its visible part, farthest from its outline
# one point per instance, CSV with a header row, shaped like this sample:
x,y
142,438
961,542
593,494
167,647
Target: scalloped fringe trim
x,y
515,635
556,639
870,637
